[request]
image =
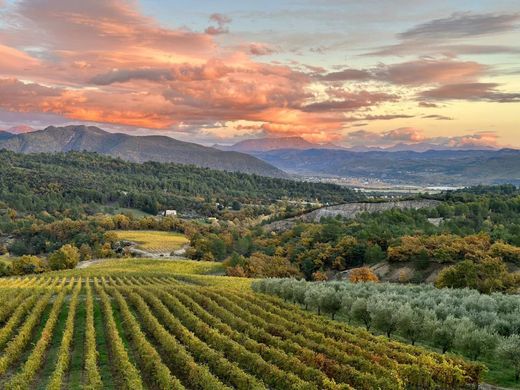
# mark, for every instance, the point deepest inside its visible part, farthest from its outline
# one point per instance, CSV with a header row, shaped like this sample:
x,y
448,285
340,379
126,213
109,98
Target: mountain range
x,y
133,148
299,143
275,143
431,168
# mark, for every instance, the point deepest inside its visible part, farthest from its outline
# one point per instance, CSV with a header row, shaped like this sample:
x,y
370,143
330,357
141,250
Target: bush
x,y
66,257
27,265
363,274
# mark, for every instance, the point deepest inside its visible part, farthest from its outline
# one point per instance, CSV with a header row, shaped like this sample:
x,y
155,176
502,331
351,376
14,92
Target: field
x,y
155,242
172,328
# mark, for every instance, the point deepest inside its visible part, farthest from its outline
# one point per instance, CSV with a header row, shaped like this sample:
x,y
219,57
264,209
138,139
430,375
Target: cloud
x,y
222,22
430,70
450,35
461,25
438,117
211,70
350,101
416,72
471,91
347,74
260,49
428,105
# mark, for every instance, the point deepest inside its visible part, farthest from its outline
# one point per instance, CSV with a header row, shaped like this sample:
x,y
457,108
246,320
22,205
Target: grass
x,y
134,212
152,241
146,267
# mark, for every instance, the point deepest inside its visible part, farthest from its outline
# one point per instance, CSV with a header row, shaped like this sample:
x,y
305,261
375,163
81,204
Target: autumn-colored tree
x,y
65,257
362,274
27,265
319,276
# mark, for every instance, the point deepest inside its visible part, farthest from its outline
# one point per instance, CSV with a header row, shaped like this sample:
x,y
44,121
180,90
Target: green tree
x,y
509,350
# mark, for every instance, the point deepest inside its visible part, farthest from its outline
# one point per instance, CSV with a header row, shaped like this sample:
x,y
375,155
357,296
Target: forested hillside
x,y
38,182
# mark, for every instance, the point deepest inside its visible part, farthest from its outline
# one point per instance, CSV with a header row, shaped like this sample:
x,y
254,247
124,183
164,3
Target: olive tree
x,y
509,350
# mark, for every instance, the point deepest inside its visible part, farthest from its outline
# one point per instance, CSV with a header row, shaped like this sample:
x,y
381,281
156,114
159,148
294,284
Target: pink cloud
x,y
426,71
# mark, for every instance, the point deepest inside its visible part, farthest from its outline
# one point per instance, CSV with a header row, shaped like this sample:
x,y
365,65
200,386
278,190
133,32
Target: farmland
x,y
171,327
155,242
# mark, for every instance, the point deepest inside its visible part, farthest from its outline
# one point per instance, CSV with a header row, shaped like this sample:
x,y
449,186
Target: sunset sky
x,y
372,73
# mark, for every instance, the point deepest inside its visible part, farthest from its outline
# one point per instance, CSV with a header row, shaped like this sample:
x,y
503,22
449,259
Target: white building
x,y
168,213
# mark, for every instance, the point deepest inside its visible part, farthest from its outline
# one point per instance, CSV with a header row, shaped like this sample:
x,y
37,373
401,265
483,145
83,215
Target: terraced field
x,y
99,329
155,242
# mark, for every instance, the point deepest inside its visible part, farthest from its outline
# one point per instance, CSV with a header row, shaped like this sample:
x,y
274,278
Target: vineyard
x,y
99,329
155,242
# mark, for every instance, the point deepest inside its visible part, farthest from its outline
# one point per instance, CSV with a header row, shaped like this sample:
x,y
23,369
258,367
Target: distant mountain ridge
x,y
275,143
134,148
433,167
5,135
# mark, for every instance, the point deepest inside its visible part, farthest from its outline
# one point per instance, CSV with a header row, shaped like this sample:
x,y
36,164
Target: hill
x,y
133,327
135,149
37,182
266,144
433,167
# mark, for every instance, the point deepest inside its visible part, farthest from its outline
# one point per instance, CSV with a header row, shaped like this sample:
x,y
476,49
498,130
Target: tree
x,y
66,257
362,274
385,316
330,301
236,205
444,334
509,350
313,298
85,252
474,341
374,254
361,313
27,265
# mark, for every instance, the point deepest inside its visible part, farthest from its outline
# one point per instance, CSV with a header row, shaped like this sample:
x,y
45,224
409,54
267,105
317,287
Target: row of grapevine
x,y
340,366
62,364
24,378
92,375
187,369
16,345
149,358
228,372
270,373
128,373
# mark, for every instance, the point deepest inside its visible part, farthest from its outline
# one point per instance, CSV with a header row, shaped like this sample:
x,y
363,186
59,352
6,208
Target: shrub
x,y
27,265
64,258
362,274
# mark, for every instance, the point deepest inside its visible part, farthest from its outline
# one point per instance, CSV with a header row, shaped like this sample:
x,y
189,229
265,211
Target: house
x,y
168,213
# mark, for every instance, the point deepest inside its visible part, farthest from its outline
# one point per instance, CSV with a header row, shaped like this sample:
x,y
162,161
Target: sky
x,y
354,73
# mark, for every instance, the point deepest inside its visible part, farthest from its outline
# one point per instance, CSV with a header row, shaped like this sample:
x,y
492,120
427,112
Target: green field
x,y
166,325
155,242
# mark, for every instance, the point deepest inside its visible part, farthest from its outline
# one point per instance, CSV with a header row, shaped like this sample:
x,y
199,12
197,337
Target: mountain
x,y
20,129
425,146
266,144
5,135
135,149
432,168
